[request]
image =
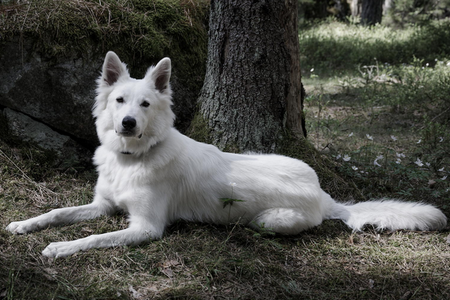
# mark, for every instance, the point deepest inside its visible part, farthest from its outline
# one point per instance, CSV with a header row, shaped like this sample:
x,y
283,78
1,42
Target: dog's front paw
x,y
60,249
19,227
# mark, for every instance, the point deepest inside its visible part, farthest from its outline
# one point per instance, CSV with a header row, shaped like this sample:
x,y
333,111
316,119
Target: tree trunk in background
x,y
252,90
355,7
372,12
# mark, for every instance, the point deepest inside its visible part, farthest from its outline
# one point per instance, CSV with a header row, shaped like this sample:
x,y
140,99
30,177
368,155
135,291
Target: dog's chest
x,y
123,182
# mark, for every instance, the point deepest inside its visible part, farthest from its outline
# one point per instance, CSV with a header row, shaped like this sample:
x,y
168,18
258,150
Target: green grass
x,y
203,261
391,136
387,114
332,48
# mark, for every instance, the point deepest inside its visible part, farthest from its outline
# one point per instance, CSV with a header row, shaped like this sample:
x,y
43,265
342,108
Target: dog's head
x,y
133,115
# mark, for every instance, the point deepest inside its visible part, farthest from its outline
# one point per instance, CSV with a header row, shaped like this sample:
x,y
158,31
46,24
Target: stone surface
x,y
51,54
58,93
30,130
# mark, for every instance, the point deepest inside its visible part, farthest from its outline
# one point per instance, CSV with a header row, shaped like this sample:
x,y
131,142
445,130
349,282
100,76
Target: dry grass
x,y
202,261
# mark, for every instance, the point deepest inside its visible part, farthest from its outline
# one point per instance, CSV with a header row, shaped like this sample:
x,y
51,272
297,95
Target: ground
x,y
352,120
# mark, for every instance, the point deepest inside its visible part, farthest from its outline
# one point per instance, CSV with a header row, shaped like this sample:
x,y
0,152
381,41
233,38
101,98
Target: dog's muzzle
x,y
129,127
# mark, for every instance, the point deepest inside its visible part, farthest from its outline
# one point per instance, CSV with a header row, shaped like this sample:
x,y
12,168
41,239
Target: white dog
x,y
157,175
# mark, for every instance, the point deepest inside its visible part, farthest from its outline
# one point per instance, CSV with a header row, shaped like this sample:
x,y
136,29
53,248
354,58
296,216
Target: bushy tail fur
x,y
388,214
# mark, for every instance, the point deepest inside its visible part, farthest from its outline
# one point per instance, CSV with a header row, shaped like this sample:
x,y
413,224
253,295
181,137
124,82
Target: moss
x,y
330,180
199,129
232,148
140,31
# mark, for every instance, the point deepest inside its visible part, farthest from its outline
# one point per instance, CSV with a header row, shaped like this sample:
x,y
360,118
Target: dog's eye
x,y
145,104
119,100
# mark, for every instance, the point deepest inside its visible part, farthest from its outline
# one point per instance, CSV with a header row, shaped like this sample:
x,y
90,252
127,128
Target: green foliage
x,y
413,11
398,13
229,201
383,113
331,47
408,86
262,231
387,124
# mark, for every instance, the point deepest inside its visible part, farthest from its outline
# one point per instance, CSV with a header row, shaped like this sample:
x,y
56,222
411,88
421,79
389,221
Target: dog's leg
x,y
140,230
60,216
285,220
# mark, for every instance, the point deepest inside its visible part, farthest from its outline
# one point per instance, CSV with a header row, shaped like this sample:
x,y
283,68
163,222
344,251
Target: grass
x,y
204,261
395,135
138,31
198,261
333,48
385,122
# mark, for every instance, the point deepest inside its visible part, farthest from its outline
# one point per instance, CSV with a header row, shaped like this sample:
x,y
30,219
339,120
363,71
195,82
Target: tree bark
x,y
355,7
252,90
371,12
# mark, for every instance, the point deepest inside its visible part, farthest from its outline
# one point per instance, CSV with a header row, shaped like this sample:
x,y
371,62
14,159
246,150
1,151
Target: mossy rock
x,y
48,40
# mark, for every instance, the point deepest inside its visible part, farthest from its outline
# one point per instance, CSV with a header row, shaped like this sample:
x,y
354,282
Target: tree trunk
x,y
372,12
252,90
356,8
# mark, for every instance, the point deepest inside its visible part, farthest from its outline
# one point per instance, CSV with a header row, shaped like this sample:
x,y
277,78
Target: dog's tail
x,y
387,214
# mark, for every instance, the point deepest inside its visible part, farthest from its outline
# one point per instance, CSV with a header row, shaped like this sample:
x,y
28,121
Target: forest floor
x,y
387,129
203,261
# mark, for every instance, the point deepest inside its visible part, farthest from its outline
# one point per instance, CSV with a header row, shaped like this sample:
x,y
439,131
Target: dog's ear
x,y
113,69
161,75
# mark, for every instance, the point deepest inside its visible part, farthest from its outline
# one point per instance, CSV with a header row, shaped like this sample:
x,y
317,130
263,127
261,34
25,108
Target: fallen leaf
x,y
135,294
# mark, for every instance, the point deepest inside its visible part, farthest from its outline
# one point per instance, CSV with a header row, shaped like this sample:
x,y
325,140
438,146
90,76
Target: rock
x,y
69,153
59,93
49,100
30,130
49,65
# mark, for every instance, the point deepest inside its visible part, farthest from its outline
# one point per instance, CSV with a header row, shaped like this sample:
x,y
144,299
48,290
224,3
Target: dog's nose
x,y
129,123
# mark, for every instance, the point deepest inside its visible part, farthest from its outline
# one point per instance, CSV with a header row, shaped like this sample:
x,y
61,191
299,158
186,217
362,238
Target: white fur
x,y
164,176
